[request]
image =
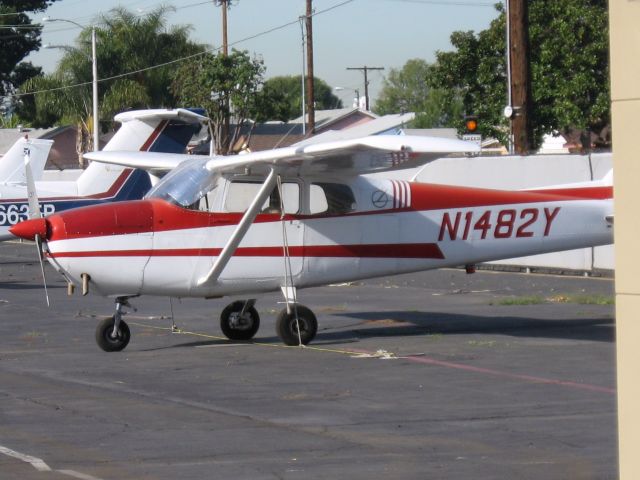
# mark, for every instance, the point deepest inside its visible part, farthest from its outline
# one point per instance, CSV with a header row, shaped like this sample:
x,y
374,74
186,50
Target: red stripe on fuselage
x,y
442,197
592,193
393,250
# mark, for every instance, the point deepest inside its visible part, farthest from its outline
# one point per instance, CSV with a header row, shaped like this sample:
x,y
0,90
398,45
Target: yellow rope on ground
x,y
252,342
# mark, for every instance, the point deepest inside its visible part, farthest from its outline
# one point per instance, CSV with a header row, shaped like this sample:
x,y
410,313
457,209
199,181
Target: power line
x,y
447,4
206,50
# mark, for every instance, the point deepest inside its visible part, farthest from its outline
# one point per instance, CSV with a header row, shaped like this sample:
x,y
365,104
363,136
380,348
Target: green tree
x,y
125,43
228,87
18,37
283,97
569,69
407,90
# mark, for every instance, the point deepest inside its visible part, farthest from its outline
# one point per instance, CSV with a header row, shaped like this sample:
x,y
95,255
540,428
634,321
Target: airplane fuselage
x,y
153,247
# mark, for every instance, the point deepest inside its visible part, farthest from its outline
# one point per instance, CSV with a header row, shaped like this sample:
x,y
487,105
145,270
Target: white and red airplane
x,y
299,217
158,130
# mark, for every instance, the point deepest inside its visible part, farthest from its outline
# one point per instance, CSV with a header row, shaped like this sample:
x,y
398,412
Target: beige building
x,y
624,17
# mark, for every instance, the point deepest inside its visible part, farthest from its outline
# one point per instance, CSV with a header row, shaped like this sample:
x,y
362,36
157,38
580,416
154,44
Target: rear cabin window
x,y
240,194
331,199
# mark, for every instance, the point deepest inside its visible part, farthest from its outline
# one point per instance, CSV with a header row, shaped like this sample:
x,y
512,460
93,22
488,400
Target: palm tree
x,y
126,43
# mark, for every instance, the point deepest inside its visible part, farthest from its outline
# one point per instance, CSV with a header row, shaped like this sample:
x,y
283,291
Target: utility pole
x,y
311,109
225,6
518,21
365,70
226,125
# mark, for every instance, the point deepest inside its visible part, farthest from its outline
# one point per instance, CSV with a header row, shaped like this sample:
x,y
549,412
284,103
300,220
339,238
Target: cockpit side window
x,y
331,199
240,194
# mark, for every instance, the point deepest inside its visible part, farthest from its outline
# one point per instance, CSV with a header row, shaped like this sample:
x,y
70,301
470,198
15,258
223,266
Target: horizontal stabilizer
x,y
150,161
183,114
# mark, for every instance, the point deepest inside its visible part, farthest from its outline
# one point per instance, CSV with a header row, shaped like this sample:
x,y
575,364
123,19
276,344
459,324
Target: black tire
x,y
104,337
247,326
286,325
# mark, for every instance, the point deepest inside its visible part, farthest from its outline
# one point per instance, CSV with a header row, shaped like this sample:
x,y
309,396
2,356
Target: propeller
x,y
34,214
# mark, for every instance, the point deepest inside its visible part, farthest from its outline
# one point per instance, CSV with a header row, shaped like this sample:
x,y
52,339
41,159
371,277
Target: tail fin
x,y
161,130
12,163
136,183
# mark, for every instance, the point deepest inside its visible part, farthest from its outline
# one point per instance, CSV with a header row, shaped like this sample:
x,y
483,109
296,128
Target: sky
x,y
354,33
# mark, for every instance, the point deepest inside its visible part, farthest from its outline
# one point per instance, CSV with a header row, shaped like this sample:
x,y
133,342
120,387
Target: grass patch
x,y
584,299
537,300
531,300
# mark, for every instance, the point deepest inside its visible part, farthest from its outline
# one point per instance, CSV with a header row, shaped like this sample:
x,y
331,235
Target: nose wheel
x,y
112,339
113,334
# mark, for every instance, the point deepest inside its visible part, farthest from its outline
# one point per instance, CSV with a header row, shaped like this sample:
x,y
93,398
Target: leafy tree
x,y
226,86
125,43
406,90
283,97
570,65
569,69
18,37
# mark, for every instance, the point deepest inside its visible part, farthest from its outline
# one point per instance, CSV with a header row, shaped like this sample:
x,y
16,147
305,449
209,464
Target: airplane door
x,y
261,253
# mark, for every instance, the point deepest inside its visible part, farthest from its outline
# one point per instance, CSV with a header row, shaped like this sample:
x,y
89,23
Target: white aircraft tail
x,y
159,130
12,163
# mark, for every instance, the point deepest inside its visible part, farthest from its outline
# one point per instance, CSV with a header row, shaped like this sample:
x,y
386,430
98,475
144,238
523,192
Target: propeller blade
x,y
34,212
40,246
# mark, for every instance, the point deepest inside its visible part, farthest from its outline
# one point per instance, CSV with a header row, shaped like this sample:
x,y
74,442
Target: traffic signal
x,y
470,123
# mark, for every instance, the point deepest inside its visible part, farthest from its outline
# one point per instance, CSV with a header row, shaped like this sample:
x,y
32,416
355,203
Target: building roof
x,y
325,118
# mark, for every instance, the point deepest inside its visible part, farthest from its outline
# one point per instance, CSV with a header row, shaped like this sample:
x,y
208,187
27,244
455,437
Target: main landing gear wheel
x,y
287,327
240,320
107,340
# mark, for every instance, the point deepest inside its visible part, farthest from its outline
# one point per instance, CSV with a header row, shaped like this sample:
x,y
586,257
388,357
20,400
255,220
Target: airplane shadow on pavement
x,y
412,323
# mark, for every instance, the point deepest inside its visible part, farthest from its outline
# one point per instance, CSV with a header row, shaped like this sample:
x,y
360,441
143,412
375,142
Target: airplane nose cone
x,y
30,228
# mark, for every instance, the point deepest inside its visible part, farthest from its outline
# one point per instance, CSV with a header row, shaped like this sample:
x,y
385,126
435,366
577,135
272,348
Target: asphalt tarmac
x,y
437,375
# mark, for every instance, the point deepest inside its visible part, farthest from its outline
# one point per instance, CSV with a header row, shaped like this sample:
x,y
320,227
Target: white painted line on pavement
x,y
41,466
36,463
81,476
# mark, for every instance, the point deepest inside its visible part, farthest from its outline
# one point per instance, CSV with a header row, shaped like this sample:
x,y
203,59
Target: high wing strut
x,y
240,231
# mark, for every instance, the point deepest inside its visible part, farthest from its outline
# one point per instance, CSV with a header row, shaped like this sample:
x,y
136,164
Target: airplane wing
x,y
346,157
358,156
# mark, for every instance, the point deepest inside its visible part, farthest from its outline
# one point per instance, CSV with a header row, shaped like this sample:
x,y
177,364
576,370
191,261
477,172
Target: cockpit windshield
x,y
186,184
